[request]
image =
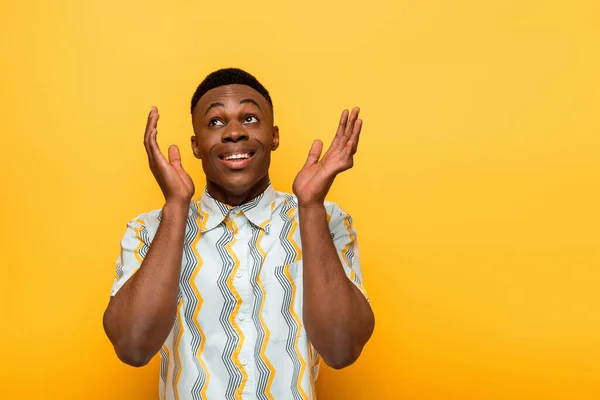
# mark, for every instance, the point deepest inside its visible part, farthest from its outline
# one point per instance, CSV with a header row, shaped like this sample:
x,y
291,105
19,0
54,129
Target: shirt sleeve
x,y
344,239
134,247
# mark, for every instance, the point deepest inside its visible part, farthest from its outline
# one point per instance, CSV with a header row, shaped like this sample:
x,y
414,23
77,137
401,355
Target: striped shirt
x,y
238,332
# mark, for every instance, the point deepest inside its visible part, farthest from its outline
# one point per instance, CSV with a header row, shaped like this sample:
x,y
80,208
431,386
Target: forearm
x,y
141,315
337,317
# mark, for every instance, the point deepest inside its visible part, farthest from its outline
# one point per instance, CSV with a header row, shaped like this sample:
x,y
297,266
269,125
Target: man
x,y
245,289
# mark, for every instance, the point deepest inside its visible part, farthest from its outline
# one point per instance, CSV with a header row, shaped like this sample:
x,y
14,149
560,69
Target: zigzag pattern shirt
x,y
238,332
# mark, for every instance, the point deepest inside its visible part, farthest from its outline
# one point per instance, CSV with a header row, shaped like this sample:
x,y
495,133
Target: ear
x,y
195,148
275,138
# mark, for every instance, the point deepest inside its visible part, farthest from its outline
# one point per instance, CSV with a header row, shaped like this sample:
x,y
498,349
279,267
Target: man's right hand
x,y
141,315
176,184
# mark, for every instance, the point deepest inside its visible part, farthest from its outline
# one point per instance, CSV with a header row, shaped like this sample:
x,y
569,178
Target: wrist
x,y
311,208
175,209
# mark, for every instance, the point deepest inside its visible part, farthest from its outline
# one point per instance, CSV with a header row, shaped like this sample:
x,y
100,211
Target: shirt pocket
x,y
283,302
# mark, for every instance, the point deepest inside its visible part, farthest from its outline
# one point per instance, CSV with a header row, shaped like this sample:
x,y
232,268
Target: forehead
x,y
231,93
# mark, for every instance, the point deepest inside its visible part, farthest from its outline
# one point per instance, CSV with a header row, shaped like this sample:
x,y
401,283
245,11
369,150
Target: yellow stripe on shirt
x,y
138,235
286,271
165,348
192,282
290,236
350,242
263,346
238,303
176,350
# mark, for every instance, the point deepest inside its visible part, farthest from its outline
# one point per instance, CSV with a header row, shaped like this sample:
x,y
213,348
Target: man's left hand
x,y
316,177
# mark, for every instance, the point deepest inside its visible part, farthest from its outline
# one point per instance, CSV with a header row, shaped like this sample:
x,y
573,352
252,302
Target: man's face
x,y
234,137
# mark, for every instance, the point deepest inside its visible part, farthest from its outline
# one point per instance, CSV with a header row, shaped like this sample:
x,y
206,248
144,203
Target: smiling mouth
x,y
236,156
236,161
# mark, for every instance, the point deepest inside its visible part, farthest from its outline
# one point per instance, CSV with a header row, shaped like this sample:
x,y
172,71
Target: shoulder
x,y
334,211
285,197
149,220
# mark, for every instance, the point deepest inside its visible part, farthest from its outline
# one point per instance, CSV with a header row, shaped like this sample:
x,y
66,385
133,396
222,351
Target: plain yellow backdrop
x,y
475,190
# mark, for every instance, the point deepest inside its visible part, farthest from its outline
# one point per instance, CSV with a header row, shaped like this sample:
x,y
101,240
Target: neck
x,y
237,197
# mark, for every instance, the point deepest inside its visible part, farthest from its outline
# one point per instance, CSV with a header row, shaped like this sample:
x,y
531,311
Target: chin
x,y
239,183
238,186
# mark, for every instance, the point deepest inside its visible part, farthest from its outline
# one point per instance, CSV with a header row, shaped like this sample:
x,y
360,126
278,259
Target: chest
x,y
238,261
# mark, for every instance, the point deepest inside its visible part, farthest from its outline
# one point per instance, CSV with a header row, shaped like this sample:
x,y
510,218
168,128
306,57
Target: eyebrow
x,y
213,105
250,101
244,101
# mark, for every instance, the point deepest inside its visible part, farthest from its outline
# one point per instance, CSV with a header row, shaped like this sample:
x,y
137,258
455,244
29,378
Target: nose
x,y
234,133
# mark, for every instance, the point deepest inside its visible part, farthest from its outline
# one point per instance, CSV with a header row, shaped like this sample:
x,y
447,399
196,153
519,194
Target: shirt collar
x,y
258,210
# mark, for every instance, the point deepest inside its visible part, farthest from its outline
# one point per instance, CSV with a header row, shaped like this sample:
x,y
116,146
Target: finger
x,y
155,153
151,124
351,122
314,154
175,157
338,134
355,137
340,130
152,121
349,128
348,155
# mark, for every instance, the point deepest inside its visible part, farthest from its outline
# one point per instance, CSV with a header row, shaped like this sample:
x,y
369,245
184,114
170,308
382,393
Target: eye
x,y
215,122
250,119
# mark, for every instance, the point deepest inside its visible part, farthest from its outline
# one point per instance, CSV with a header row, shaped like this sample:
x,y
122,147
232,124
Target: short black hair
x,y
228,76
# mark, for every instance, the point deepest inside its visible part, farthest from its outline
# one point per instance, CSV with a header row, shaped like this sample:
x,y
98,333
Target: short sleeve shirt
x,y
238,332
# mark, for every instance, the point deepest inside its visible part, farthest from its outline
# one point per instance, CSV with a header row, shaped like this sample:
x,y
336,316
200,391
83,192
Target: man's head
x,y
234,134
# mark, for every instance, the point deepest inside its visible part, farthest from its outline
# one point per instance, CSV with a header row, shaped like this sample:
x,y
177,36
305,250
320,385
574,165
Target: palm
x,y
187,181
172,176
175,183
316,177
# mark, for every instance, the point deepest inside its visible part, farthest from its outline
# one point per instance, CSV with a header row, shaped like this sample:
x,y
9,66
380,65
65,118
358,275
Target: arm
x,y
338,319
140,316
337,316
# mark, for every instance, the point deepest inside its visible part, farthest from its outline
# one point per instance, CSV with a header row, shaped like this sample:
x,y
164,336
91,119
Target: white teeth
x,y
236,156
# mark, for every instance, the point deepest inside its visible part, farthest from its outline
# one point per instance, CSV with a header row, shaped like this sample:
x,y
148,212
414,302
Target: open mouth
x,y
236,160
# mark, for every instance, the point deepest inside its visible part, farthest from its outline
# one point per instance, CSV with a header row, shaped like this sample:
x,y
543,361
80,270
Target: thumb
x,y
314,154
175,157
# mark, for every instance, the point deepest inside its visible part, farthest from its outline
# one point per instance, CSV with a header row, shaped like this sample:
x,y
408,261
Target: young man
x,y
245,289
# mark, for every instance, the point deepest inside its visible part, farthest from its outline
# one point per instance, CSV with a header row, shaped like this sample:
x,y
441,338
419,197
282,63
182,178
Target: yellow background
x,y
475,191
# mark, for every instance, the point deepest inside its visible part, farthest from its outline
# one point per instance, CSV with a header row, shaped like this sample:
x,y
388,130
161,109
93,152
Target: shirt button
x,y
244,361
239,274
241,317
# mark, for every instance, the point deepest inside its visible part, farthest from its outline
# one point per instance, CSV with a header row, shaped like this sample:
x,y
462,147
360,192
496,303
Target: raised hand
x,y
316,177
176,184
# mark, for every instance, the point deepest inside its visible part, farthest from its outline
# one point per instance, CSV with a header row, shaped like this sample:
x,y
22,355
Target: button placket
x,y
244,315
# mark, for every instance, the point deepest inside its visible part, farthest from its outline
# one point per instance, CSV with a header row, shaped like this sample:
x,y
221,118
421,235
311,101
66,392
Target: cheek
x,y
210,167
207,157
266,159
205,147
